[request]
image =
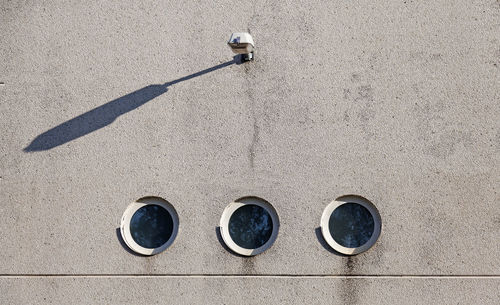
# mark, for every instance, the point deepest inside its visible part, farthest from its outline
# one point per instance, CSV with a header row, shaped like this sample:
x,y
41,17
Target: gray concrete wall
x,y
396,101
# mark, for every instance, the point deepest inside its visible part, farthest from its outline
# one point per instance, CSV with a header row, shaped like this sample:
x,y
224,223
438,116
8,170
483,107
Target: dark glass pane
x,y
250,226
151,226
351,225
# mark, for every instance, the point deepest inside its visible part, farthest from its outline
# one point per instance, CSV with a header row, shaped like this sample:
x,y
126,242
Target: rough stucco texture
x,y
105,102
154,290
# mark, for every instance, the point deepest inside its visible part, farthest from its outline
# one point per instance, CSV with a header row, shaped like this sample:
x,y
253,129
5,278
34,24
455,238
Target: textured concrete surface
x,y
254,290
105,102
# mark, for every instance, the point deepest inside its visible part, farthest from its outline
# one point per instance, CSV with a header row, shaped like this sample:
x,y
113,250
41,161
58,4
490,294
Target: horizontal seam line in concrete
x,y
415,276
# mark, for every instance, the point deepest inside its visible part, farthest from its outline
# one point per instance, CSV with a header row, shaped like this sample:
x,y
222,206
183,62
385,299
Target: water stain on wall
x,y
248,265
349,285
361,109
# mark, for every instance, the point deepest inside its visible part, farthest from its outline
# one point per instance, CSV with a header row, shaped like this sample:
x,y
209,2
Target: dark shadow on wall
x,y
223,244
322,241
124,245
104,115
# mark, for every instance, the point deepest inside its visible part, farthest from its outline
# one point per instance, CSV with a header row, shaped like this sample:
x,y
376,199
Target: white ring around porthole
x,y
226,216
129,213
325,219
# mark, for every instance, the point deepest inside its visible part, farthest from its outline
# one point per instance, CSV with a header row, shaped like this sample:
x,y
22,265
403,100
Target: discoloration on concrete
x,y
349,286
440,138
248,265
362,106
149,262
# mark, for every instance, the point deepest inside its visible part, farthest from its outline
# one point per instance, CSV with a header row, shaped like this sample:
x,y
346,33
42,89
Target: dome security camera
x,y
242,43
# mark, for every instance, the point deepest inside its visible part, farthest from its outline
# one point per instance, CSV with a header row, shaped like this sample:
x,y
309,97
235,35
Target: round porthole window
x,y
351,224
149,225
249,226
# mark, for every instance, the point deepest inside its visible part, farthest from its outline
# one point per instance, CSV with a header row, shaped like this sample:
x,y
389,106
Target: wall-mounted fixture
x,y
242,43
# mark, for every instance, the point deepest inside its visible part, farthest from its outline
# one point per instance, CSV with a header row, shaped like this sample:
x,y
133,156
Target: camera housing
x,y
242,43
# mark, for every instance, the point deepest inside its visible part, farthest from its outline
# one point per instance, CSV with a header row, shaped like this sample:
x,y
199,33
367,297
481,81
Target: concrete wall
x,y
104,102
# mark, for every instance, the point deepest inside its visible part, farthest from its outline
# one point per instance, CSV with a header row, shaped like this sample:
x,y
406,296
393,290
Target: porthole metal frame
x,y
226,216
325,228
129,213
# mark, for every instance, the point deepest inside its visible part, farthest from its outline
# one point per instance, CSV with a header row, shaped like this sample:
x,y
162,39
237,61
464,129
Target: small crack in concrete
x,y
255,126
255,140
